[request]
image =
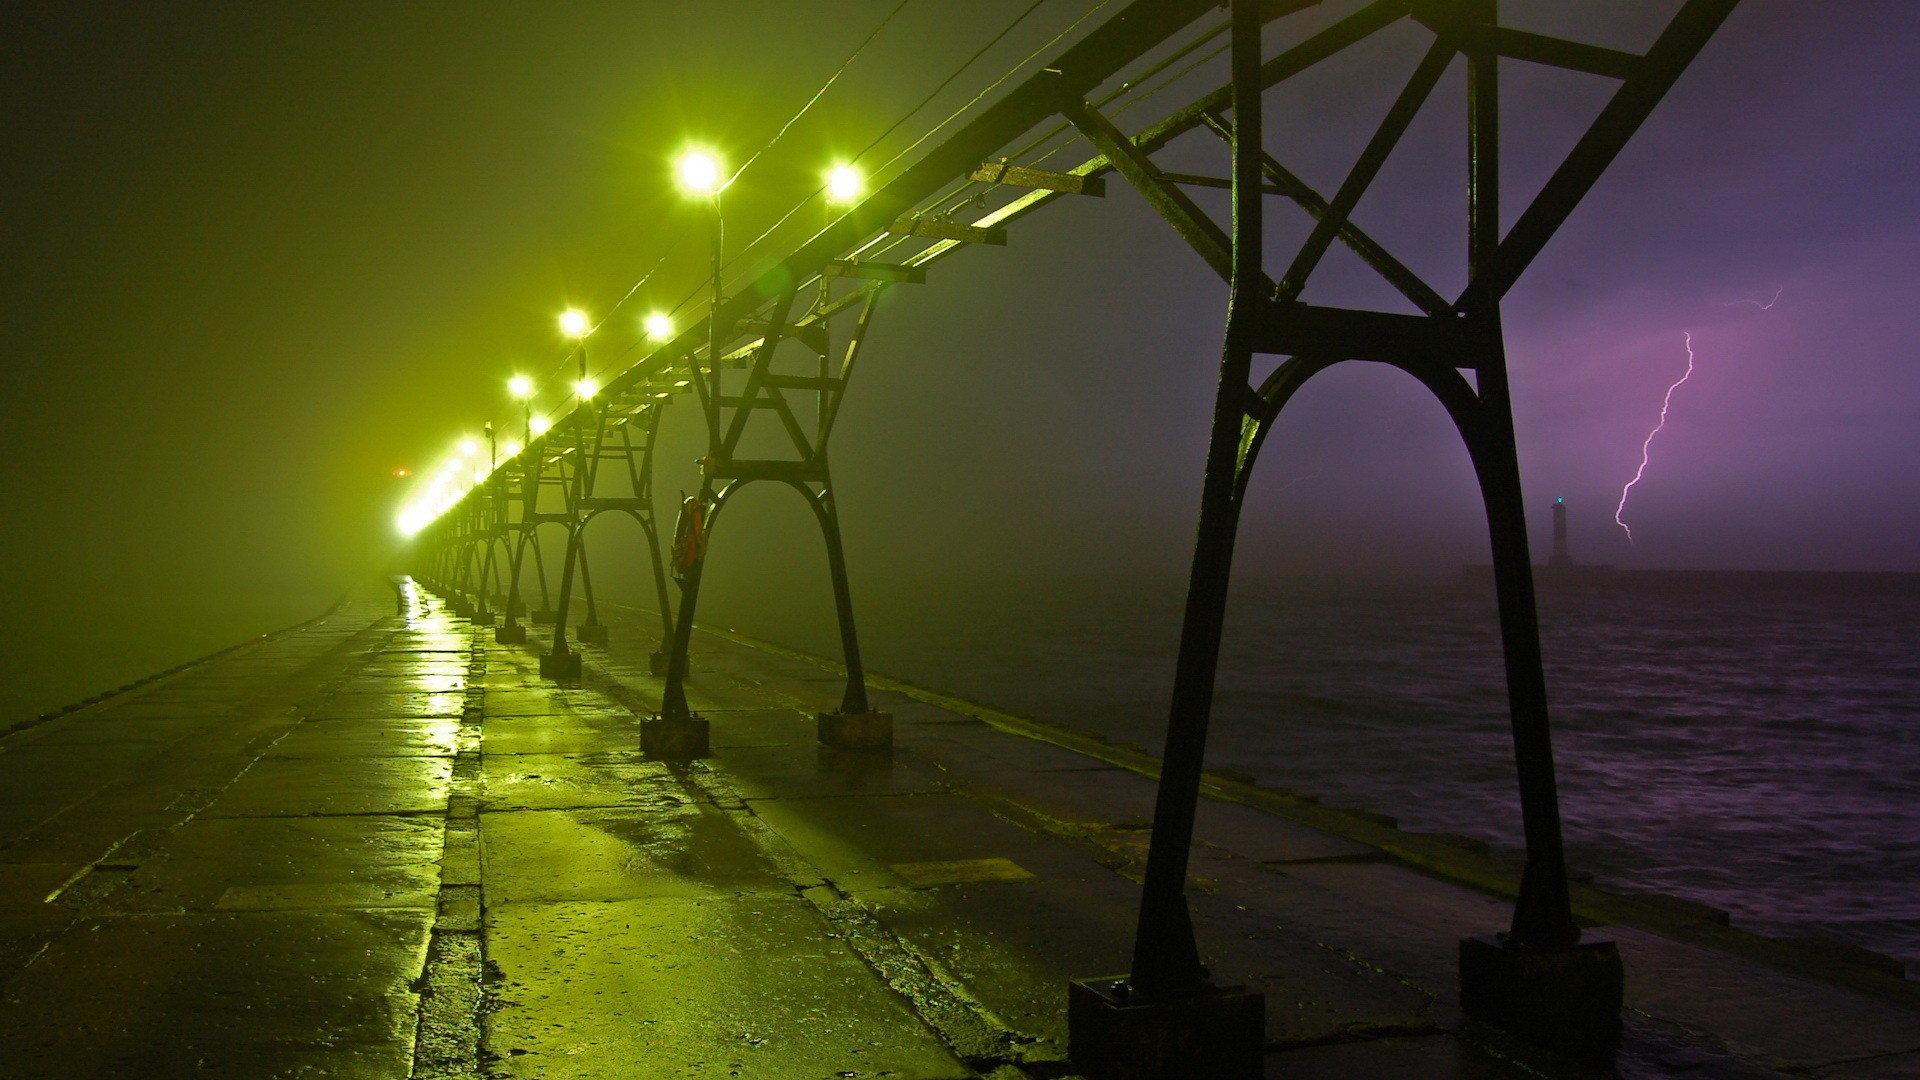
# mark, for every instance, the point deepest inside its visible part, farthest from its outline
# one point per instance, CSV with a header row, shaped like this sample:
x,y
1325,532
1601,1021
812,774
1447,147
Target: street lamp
x,y
574,323
659,326
700,176
539,425
586,388
522,387
844,184
700,173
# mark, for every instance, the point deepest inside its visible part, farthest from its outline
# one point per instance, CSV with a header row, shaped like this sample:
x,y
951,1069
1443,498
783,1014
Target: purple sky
x,y
258,256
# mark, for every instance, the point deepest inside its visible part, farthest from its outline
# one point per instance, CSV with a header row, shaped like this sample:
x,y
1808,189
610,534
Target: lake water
x,y
1751,742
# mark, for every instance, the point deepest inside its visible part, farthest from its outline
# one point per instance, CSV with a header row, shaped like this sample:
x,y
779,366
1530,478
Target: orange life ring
x,y
689,535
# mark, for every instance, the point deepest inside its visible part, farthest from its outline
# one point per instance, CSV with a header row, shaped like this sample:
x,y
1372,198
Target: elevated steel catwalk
x,y
1544,979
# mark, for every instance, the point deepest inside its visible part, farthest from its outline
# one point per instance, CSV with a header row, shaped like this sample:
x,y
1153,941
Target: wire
x,y
1009,73
944,83
820,93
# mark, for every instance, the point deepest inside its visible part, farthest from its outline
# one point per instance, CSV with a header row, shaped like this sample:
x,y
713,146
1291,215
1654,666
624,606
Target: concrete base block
x,y
674,740
1565,999
542,617
856,731
510,634
657,663
1219,1034
560,666
484,618
591,633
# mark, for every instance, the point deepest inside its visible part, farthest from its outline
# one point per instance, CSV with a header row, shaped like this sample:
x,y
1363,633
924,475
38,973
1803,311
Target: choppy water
x,y
1749,742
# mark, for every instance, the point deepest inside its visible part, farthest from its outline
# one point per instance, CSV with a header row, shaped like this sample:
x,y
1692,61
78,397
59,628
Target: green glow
x,y
574,323
520,386
659,326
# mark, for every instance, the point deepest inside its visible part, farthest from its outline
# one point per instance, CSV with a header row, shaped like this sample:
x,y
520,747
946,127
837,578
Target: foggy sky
x,y
259,256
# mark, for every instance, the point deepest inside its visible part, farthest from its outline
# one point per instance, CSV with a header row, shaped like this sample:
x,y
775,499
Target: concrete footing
x,y
542,617
1565,999
856,731
1219,1033
510,633
674,740
591,633
484,618
560,666
657,662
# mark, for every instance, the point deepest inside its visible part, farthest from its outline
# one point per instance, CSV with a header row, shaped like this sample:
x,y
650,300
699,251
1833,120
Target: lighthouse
x,y
1560,557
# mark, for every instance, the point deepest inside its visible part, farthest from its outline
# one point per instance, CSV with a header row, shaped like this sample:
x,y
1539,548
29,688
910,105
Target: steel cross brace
x,y
526,477
611,439
763,390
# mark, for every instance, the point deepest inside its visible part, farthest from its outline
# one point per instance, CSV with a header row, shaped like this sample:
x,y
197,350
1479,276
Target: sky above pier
x,y
258,257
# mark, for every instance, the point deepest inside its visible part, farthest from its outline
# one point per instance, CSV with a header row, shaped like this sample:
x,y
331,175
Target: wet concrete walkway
x,y
381,846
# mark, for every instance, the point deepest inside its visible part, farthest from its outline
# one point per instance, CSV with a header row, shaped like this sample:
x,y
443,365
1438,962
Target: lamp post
x,y
522,387
510,632
675,732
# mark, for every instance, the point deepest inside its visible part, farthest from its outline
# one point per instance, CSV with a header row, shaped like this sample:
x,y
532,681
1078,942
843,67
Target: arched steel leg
x,y
659,657
510,631
544,612
854,701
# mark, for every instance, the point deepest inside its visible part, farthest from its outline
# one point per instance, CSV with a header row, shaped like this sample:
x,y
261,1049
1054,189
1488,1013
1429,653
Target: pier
x,y
380,845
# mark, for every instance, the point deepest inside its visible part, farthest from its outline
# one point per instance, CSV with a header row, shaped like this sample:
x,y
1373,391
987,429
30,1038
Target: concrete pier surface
x,y
379,845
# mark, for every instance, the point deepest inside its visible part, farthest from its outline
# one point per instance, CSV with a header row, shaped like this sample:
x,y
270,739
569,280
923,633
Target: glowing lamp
x,y
520,386
469,447
586,388
844,184
699,172
540,425
574,323
659,326
512,449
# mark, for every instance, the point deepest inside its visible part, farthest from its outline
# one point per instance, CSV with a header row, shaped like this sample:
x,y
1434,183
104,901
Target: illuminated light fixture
x,y
844,184
469,447
586,388
659,326
512,449
699,172
540,425
520,386
403,471
479,476
574,323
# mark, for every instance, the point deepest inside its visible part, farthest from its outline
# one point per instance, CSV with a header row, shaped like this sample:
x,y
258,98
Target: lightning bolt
x,y
1768,306
1646,447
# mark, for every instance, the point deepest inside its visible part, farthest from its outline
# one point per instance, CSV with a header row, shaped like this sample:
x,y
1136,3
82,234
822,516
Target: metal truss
x,y
605,431
798,406
1543,978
